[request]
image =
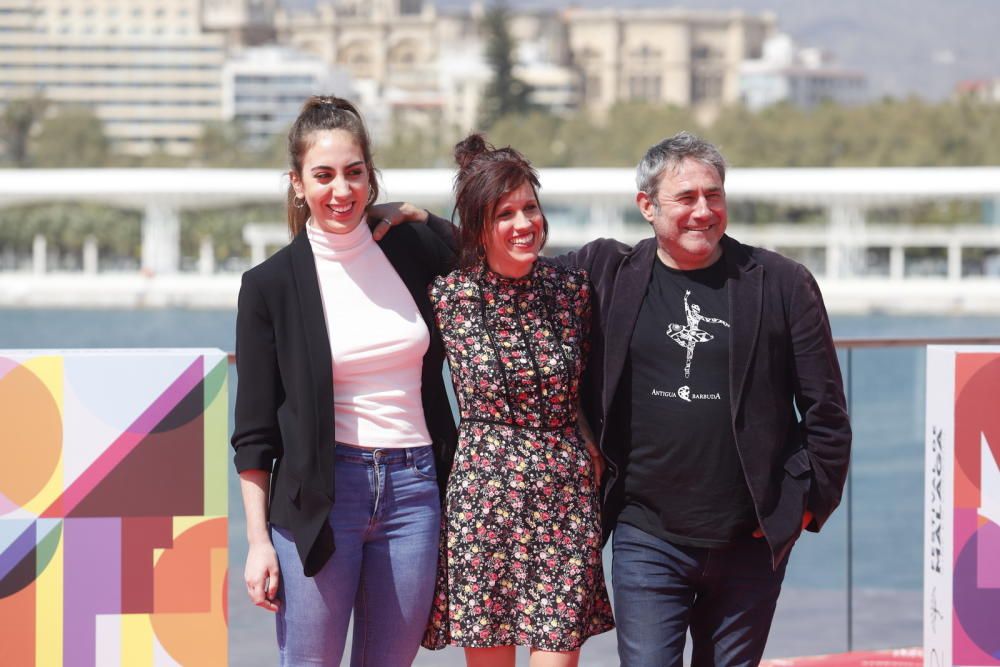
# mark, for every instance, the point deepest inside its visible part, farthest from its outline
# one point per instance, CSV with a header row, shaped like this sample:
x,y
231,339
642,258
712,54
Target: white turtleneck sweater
x,y
377,341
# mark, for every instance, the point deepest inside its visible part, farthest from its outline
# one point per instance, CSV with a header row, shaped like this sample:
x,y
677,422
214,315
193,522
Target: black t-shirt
x,y
683,481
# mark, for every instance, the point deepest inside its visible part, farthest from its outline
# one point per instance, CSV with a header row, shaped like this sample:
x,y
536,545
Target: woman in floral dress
x,y
521,543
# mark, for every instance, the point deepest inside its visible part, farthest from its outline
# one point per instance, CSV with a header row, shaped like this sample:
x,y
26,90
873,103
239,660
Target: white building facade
x,y
145,68
804,78
263,89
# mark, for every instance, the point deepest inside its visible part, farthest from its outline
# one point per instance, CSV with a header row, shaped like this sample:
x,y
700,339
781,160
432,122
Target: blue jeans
x,y
386,522
726,597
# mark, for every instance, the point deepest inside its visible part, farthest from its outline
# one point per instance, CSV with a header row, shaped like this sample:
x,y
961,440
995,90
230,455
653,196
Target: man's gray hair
x,y
671,152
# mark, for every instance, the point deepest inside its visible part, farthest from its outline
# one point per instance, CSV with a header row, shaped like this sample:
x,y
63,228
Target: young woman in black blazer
x,y
344,434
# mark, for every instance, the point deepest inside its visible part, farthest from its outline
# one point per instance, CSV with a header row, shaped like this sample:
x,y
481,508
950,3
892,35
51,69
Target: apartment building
x,y
802,77
145,67
263,89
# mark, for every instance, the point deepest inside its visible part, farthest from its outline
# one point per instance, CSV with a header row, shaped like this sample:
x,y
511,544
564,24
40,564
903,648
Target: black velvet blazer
x,y
789,414
284,399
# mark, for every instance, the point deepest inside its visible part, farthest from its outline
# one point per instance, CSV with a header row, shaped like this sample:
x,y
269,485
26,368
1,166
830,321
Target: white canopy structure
x,y
582,204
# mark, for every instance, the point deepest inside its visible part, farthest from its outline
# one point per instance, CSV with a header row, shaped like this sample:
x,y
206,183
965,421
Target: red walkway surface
x,y
899,657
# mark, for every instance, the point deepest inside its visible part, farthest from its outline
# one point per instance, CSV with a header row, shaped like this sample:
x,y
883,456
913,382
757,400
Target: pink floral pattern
x,y
520,556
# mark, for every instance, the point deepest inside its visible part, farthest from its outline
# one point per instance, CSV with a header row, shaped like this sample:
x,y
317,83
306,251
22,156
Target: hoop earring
x,y
298,202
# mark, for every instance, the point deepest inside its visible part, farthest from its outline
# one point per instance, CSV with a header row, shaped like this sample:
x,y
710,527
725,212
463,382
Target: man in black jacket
x,y
716,394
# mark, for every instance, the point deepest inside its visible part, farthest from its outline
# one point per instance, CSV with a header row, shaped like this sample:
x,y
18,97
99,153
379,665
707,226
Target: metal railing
x,y
850,348
906,558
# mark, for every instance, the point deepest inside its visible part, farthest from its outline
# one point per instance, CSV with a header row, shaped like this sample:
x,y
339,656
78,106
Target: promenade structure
x,y
147,69
861,264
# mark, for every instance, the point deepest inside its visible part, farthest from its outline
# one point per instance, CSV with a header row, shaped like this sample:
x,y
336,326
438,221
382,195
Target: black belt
x,y
494,422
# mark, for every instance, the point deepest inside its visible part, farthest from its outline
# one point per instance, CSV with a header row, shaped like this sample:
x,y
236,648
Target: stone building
x,y
685,58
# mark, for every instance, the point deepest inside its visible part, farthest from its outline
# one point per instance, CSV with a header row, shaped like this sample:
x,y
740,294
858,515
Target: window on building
x,y
589,55
410,7
645,87
706,87
703,52
592,87
646,54
403,55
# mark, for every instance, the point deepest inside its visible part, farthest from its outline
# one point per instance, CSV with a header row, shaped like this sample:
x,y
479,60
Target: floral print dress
x,y
520,556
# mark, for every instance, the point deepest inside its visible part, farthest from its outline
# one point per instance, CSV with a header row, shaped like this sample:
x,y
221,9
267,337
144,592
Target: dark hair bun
x,y
469,149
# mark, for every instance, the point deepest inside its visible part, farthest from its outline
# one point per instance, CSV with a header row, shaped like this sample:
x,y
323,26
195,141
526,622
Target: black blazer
x,y
782,358
284,399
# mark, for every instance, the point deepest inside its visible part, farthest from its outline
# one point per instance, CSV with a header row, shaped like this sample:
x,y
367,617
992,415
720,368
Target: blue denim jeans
x,y
726,597
386,522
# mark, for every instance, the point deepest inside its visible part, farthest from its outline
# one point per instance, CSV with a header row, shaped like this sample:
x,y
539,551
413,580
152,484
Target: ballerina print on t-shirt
x,y
690,335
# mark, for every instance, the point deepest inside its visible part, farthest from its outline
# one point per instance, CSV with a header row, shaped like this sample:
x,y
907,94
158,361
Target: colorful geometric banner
x,y
113,507
962,510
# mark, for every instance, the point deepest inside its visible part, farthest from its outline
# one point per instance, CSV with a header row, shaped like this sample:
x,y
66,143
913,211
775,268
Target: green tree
x,y
505,94
225,227
19,118
72,137
274,153
538,134
221,144
67,224
630,128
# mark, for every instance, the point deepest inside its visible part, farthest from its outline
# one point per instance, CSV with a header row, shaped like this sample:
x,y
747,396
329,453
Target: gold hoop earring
x,y
298,202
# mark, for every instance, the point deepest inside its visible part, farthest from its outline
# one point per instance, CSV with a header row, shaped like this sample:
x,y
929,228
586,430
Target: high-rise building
x,y
145,67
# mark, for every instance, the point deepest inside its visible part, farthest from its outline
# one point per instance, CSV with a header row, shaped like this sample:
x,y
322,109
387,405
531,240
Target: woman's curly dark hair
x,y
484,175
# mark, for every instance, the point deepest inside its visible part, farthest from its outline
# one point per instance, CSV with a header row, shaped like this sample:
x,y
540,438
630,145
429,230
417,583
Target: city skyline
x,y
938,45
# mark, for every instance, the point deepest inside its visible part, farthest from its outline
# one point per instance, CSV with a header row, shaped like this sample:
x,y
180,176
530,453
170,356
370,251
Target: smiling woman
x,y
521,552
342,420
